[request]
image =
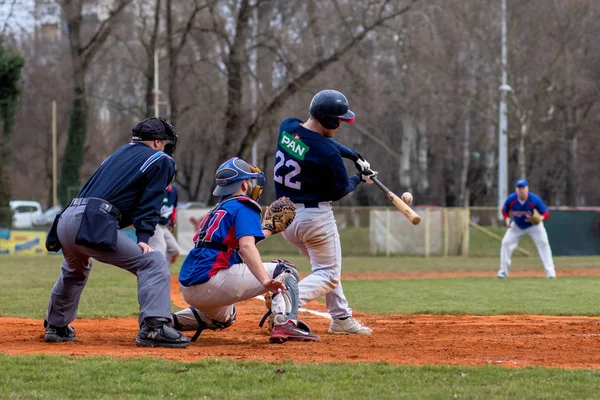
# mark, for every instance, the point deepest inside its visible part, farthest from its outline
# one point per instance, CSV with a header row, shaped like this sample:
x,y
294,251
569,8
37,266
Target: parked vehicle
x,y
24,213
47,216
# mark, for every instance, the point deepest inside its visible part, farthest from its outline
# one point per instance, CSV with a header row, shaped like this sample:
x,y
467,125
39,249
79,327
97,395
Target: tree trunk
x,y
234,65
81,56
73,160
521,157
572,173
423,158
463,201
173,55
409,136
5,188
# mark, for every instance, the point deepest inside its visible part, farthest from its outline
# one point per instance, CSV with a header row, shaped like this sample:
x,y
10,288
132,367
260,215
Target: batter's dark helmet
x,y
156,129
329,106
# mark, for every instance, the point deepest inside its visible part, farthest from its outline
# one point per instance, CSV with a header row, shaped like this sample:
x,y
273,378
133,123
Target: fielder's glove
x,y
535,218
279,215
361,164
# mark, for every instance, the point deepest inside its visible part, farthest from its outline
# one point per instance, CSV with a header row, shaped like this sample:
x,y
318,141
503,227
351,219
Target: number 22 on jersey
x,y
287,179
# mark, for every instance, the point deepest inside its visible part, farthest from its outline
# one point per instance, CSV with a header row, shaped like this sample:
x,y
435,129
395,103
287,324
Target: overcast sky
x,y
16,16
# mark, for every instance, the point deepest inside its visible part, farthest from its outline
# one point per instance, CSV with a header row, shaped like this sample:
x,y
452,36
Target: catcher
x,y
526,220
225,266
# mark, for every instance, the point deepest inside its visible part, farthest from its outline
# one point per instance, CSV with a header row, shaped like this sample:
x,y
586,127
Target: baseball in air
x,y
407,197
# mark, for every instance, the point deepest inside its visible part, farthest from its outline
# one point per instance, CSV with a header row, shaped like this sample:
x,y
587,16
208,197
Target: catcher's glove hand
x,y
535,218
279,215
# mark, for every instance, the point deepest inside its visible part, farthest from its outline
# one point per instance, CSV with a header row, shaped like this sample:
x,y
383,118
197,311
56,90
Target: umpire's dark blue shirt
x,y
134,180
308,167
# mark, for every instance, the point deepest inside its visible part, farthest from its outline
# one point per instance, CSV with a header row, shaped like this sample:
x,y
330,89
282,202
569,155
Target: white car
x,y
24,212
47,216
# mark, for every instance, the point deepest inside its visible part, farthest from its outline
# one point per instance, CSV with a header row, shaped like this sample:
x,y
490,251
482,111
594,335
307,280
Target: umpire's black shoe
x,y
156,332
57,334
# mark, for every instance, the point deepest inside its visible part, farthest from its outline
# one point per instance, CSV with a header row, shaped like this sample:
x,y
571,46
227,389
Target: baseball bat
x,y
401,206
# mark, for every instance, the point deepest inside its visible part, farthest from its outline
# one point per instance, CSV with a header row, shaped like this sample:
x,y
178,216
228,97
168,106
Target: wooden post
x,y
427,232
387,232
465,232
446,231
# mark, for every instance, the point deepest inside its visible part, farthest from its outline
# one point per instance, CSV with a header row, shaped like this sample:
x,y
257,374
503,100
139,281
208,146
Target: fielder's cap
x,y
232,173
522,182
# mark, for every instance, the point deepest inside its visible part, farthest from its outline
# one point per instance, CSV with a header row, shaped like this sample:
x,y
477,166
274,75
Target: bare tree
x,y
82,54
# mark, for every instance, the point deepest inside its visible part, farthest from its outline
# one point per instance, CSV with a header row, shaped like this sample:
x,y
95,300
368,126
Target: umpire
x,y
128,188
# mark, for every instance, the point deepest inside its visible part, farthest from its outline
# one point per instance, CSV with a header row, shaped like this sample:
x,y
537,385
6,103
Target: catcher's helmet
x,y
233,172
156,129
329,106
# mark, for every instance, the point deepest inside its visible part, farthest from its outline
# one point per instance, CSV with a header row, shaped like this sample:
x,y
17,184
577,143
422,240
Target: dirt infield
x,y
514,341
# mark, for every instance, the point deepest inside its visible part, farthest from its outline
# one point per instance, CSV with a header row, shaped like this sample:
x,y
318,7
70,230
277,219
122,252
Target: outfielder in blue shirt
x,y
523,204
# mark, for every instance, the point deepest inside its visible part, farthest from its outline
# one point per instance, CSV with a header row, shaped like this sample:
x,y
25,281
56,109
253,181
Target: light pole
x,y
502,124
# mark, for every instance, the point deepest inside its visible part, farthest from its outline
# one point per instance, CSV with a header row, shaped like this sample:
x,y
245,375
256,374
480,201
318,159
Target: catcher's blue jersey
x,y
521,210
231,221
308,167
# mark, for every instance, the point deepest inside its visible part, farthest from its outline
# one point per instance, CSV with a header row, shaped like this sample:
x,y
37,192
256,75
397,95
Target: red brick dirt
x,y
514,341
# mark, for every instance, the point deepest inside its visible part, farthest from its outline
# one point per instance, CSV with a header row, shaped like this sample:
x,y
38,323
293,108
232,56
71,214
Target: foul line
x,y
302,309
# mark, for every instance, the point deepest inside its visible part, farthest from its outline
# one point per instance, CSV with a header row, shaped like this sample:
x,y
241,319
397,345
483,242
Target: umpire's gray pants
x,y
151,269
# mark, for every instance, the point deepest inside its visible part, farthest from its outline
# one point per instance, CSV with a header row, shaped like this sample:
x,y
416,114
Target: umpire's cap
x,y
156,129
232,173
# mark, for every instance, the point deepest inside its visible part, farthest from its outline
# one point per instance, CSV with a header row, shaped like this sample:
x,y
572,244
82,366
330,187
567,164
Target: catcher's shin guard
x,y
182,321
286,273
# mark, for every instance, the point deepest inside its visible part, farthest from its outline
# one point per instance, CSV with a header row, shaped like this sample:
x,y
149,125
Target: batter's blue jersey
x,y
168,206
232,220
521,210
133,179
308,167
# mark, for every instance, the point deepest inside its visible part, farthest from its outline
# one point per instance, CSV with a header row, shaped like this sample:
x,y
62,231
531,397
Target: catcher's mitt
x,y
535,218
279,215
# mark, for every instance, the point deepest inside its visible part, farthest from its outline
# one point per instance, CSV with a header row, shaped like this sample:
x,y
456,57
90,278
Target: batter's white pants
x,y
315,233
539,236
164,242
214,299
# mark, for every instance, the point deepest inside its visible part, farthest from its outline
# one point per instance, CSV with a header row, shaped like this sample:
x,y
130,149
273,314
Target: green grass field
x,y
102,378
25,284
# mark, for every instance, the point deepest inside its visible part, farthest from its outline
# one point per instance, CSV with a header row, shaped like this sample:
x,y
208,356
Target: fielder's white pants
x,y
315,233
539,236
214,299
164,242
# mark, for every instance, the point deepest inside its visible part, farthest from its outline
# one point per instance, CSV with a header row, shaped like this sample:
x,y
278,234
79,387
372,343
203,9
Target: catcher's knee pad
x,y
285,266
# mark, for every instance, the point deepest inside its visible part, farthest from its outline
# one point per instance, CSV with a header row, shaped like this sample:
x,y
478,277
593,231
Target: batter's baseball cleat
x,y
502,275
156,332
348,326
290,331
56,334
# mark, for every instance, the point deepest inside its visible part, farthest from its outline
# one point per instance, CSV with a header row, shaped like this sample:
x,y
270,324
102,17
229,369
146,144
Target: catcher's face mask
x,y
231,175
171,139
